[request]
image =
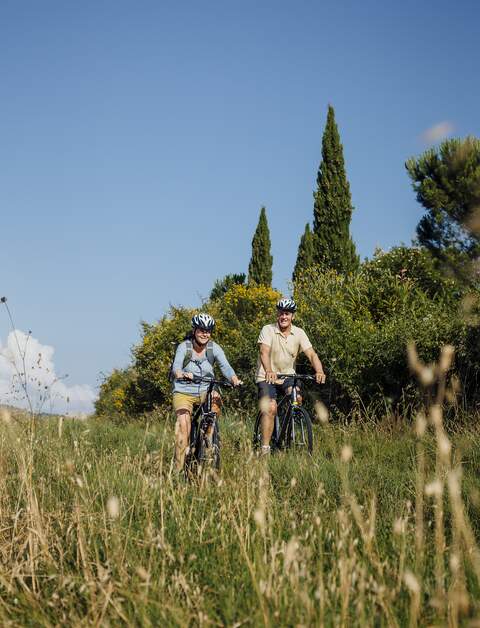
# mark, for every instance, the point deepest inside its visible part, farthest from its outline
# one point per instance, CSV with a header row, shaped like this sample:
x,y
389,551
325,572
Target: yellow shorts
x,y
182,401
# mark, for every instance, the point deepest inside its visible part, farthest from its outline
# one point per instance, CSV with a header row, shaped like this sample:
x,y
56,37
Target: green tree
x,y
447,182
222,286
306,252
332,212
260,267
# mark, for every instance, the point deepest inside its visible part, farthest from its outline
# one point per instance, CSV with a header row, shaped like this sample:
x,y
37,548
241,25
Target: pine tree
x,y
332,212
306,252
260,267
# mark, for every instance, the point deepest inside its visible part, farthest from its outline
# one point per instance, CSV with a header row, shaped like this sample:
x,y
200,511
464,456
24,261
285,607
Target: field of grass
x,y
378,527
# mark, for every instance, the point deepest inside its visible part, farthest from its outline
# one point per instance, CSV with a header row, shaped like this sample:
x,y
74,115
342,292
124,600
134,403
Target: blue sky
x,y
139,140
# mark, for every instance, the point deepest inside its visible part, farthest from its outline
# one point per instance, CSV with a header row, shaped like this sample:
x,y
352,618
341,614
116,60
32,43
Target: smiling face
x,y
202,336
284,319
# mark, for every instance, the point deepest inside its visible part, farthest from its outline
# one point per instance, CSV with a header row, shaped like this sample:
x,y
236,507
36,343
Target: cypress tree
x,y
332,211
306,252
260,267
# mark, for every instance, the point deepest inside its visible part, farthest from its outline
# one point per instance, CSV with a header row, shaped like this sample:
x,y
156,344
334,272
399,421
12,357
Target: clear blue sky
x,y
138,141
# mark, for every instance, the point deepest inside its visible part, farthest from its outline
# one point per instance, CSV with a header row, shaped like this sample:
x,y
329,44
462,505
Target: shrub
x,y
360,325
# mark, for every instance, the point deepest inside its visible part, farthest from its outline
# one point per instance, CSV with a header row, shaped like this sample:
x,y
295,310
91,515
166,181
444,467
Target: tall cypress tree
x,y
260,267
306,252
332,211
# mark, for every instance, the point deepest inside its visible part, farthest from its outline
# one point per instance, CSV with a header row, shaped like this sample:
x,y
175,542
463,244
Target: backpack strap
x,y
209,353
188,353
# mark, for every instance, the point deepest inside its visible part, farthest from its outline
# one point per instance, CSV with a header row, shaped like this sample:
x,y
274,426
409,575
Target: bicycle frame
x,y
289,400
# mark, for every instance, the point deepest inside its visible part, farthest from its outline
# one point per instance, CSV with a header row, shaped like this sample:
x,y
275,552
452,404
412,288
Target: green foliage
x,y
222,286
239,316
332,212
260,267
447,183
360,325
153,356
306,252
112,401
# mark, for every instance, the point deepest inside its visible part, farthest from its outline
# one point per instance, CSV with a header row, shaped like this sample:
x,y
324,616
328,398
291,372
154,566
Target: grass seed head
x,y
434,489
411,582
426,376
113,507
346,453
420,424
322,412
446,358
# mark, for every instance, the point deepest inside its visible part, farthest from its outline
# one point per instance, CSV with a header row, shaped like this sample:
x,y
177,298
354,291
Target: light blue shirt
x,y
200,367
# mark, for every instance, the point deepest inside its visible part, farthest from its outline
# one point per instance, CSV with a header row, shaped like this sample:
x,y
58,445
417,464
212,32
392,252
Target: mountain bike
x,y
204,446
292,428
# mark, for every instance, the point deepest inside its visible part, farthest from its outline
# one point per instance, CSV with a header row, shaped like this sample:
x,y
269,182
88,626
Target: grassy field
x,y
377,528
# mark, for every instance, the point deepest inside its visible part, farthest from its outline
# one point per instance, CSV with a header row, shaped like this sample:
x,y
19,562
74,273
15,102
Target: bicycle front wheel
x,y
299,434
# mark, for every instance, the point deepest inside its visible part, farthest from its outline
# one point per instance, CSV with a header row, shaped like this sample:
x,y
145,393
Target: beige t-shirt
x,y
283,349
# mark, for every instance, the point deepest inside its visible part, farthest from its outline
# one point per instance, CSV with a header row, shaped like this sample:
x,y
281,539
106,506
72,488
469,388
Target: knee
x,y
183,423
216,402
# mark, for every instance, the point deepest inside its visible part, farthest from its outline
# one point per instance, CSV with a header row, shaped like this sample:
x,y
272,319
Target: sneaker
x,y
265,451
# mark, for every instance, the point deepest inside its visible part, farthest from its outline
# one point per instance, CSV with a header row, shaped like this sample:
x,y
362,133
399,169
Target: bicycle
x,y
204,444
292,428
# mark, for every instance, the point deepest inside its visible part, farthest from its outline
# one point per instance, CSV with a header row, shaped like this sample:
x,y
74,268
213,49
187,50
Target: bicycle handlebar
x,y
210,380
296,376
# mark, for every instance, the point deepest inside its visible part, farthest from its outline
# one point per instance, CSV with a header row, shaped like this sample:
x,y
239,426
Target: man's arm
x,y
317,365
270,376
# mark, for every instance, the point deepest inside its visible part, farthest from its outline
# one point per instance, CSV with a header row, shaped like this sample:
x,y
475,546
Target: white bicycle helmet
x,y
203,321
286,304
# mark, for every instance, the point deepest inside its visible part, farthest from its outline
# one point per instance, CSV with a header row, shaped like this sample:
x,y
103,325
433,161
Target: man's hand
x,y
236,381
270,377
320,377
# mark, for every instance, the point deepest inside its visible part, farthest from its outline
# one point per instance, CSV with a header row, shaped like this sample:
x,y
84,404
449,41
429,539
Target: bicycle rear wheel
x,y
299,433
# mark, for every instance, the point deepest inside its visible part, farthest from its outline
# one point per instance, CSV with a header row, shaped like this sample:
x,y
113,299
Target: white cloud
x,y
24,360
438,132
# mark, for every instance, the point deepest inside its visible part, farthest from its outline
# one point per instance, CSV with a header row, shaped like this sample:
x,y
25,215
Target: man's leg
x,y
268,409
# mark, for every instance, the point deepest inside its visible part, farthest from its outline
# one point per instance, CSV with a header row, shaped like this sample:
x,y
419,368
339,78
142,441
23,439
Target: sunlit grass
x,y
97,529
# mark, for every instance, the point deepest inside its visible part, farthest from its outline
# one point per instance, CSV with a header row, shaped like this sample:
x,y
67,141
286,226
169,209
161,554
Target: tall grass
x,y
378,527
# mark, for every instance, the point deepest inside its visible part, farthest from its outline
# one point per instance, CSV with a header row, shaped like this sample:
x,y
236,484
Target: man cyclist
x,y
195,356
279,345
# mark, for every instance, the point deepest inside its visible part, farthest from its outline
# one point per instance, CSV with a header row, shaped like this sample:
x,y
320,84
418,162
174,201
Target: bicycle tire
x,y
216,447
299,432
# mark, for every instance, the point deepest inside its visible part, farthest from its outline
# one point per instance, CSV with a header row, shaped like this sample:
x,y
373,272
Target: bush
x,y
360,325
113,399
239,316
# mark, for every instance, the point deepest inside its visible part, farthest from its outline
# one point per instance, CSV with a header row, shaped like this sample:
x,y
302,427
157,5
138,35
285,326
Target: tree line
x,y
360,316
